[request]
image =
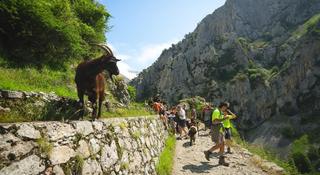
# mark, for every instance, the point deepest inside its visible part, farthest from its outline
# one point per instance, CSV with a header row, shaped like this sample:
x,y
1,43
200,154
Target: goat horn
x,y
105,48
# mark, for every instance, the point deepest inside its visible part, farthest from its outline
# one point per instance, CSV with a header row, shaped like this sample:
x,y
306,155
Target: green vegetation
x,y
124,166
165,163
78,136
50,32
197,102
310,25
302,162
303,157
73,166
44,80
79,161
44,145
123,125
258,74
240,77
132,92
264,153
135,109
288,132
136,135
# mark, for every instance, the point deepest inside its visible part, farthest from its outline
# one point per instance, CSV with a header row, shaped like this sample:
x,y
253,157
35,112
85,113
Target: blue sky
x,y
141,29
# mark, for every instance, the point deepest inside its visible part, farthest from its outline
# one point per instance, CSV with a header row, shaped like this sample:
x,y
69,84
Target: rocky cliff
x,y
113,146
263,56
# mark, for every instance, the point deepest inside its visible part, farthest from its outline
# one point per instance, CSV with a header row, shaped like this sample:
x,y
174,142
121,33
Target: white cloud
x,y
151,52
134,61
126,70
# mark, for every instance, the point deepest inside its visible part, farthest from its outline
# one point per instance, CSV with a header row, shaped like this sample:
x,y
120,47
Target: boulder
x,y
28,131
83,149
109,156
12,94
57,130
28,166
61,154
94,146
83,127
57,170
91,167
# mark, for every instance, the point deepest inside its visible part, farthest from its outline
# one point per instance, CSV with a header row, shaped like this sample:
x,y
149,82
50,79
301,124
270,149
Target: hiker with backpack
x,y
218,133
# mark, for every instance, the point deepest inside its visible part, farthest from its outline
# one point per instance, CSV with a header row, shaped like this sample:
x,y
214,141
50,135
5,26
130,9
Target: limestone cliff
x,y
261,55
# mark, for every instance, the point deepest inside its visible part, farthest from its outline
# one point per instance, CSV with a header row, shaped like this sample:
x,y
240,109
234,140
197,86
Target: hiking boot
x,y
207,155
222,161
229,151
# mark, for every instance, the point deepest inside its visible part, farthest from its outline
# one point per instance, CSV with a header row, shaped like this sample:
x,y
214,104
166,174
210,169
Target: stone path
x,y
190,160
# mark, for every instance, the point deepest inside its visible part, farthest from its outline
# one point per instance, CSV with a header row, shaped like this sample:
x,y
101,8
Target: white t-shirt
x,y
182,114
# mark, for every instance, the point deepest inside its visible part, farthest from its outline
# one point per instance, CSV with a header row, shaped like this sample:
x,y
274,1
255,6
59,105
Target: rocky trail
x,y
190,160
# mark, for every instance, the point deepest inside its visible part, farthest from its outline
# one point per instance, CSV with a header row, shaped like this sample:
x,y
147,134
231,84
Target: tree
x,y
132,92
50,32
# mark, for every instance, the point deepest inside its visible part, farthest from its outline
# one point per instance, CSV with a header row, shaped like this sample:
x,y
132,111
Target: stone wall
x,y
110,146
38,106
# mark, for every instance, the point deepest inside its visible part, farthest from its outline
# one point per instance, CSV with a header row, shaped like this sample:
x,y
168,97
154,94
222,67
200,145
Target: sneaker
x,y
207,155
229,151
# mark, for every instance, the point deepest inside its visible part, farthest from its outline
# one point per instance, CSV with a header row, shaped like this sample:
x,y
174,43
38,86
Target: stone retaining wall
x,y
111,146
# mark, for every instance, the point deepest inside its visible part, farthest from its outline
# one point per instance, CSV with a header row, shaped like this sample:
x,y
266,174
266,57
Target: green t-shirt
x,y
227,123
217,115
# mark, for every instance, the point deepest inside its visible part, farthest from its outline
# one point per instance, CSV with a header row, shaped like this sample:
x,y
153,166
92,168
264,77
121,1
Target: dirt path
x,y
191,160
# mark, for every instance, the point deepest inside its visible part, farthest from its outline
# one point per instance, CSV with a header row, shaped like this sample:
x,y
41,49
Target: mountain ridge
x,y
262,56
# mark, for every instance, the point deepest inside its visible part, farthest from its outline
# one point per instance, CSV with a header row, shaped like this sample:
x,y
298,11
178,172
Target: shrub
x,y
313,153
302,162
44,145
300,145
46,32
288,132
79,161
132,92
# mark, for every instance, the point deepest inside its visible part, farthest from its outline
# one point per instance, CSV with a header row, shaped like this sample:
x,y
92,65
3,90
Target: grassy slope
x,y
62,83
135,109
45,80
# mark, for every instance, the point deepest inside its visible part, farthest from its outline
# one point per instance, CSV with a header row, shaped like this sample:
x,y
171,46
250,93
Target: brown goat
x,y
91,81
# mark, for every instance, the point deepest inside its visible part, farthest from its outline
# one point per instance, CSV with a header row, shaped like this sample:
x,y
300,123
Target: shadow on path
x,y
204,167
186,144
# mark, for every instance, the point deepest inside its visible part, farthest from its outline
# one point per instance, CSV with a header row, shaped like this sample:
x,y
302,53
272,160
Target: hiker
x,y
206,115
193,113
156,107
182,122
218,133
172,121
162,114
227,128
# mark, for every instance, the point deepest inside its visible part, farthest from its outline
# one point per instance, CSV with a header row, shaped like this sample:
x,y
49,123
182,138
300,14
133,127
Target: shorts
x,y
182,123
162,112
216,135
207,123
227,133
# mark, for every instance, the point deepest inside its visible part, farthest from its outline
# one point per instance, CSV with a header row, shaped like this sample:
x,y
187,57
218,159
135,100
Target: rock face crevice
x,y
260,55
112,146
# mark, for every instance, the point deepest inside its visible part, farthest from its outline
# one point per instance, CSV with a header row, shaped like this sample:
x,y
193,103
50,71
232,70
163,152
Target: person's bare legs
x,y
184,129
180,131
229,144
215,147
